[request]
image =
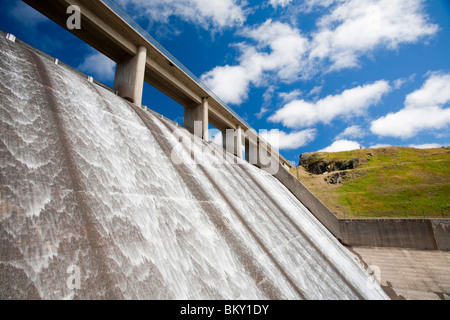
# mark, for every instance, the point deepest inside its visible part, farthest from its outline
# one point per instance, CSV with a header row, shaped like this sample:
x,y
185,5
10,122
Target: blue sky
x,y
328,74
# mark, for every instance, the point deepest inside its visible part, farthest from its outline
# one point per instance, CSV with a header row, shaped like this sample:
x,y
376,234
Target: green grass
x,y
392,181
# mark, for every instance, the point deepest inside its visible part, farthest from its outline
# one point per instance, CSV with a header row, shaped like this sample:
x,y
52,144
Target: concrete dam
x,y
100,200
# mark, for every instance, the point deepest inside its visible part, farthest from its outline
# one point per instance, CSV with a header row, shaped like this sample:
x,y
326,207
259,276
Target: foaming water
x,y
87,180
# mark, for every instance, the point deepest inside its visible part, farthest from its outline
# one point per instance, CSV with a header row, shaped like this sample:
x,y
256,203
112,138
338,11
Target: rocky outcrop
x,y
313,163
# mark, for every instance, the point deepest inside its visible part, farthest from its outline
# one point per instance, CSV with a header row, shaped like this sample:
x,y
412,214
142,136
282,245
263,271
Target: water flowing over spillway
x,y
99,201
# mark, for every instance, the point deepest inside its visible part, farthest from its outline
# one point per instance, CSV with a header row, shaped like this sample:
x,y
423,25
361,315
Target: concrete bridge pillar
x,y
129,78
196,119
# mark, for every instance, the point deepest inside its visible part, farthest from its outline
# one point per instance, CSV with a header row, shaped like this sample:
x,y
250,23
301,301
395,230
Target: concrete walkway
x,y
409,274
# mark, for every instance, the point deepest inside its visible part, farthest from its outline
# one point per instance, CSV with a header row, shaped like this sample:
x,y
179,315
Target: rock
x,y
317,167
304,159
355,163
337,177
313,163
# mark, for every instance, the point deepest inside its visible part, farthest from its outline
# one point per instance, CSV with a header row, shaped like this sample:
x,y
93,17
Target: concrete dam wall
x,y
100,200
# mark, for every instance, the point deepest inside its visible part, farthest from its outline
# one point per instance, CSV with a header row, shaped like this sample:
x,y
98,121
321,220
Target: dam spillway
x,y
99,190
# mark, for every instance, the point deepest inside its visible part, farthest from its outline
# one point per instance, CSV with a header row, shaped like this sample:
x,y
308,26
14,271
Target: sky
x,y
326,75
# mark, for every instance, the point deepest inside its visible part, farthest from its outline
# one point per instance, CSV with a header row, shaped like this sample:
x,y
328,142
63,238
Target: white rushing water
x,y
88,183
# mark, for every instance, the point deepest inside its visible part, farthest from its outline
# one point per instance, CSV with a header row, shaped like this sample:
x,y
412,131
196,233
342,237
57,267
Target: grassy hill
x,y
391,181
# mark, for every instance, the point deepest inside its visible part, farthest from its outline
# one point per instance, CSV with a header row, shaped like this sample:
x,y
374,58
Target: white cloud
x,y
262,112
351,132
397,84
281,3
315,91
289,96
406,123
435,92
351,102
281,140
278,50
426,146
310,5
286,46
230,83
98,66
351,29
267,96
205,13
357,27
424,109
342,145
